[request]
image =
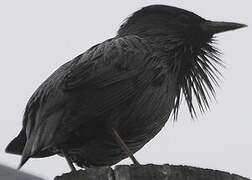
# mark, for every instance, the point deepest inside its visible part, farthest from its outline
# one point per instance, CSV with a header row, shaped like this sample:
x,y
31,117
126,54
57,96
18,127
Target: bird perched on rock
x,y
107,103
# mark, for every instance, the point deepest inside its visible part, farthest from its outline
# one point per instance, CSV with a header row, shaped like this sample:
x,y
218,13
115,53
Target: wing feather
x,y
93,83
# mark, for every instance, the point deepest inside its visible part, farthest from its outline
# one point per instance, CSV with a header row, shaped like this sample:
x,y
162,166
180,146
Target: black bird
x,y
107,103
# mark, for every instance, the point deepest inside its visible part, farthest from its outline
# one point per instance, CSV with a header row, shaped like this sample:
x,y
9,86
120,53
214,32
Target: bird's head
x,y
188,41
172,22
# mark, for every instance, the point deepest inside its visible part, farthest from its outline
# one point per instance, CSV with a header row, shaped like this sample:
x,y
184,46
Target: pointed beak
x,y
214,27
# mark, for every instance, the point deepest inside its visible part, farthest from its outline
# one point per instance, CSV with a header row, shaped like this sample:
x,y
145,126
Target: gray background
x,y
36,37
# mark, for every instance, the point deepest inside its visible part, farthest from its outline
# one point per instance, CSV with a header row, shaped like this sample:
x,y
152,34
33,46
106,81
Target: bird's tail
x,y
16,146
42,137
28,151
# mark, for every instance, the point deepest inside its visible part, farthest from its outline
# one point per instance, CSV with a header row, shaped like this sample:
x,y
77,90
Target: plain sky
x,y
36,37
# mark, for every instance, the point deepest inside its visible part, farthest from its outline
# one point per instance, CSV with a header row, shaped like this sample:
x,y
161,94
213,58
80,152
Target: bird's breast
x,y
149,112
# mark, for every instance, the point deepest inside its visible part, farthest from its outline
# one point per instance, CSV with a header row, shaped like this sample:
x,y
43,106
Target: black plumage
x,y
125,87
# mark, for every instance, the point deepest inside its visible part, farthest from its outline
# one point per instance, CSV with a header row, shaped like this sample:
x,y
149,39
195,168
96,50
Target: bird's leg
x,y
124,147
69,160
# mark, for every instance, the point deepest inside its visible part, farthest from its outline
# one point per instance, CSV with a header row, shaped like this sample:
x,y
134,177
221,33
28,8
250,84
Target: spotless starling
x,y
108,102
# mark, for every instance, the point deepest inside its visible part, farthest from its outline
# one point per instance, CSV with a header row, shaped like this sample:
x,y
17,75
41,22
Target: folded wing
x,y
93,83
